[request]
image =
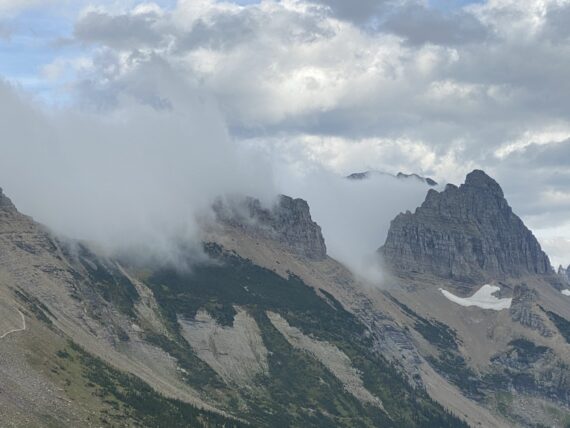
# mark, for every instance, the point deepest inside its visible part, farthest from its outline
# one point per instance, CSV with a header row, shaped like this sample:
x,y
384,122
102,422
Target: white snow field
x,y
566,292
483,298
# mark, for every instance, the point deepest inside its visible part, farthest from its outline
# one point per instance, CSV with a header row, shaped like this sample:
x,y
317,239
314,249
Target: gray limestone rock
x,y
400,176
5,202
564,274
288,221
467,233
522,310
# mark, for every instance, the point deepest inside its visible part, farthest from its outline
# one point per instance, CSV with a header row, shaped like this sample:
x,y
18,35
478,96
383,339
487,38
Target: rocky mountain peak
x,y
427,180
287,221
467,233
400,176
564,273
5,202
481,181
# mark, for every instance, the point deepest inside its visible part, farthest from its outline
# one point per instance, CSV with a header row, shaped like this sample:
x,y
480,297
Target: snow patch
x,y
566,292
484,298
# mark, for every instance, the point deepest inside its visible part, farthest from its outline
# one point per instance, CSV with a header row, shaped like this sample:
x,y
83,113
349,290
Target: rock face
x,y
524,300
288,221
400,176
5,202
427,180
564,274
467,233
533,370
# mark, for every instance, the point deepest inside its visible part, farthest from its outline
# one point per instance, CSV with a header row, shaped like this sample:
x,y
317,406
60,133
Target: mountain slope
x,y
228,343
461,252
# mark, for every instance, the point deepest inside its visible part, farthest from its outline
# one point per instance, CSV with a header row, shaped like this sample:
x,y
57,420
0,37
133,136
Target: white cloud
x,y
12,6
350,88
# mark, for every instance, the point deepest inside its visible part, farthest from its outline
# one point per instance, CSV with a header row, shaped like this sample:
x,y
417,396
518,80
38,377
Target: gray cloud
x,y
556,28
125,31
358,11
419,24
355,85
221,32
135,178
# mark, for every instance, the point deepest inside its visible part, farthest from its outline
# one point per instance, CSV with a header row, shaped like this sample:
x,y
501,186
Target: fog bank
x,y
136,178
355,214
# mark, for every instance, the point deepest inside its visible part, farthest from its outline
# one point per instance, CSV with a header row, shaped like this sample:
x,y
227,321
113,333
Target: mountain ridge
x,y
467,233
400,175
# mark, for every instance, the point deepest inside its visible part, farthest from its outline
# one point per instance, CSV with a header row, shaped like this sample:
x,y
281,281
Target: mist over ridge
x,y
139,178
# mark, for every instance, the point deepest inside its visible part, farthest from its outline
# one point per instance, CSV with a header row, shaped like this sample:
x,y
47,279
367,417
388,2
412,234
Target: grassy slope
x,y
299,391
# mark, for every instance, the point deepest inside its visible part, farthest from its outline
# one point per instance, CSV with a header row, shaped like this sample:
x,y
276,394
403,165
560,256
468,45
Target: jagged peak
x,y
400,175
288,221
478,178
5,202
427,180
468,233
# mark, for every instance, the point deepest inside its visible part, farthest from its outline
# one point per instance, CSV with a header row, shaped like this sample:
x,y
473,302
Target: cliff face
x,y
564,274
467,233
400,176
288,221
5,202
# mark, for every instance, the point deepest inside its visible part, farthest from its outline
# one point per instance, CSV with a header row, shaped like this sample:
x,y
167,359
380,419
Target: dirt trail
x,y
17,329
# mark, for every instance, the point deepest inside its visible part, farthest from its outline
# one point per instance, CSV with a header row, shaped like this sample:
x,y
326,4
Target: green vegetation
x,y
130,397
453,367
36,307
435,332
110,282
561,323
503,402
516,363
526,351
299,390
449,362
197,373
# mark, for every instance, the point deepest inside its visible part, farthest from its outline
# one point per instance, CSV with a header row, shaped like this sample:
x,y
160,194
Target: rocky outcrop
x,y
564,274
427,180
533,370
401,176
288,221
522,306
467,233
5,202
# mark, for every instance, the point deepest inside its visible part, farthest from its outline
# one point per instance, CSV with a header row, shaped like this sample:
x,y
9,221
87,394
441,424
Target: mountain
x,y
564,274
468,233
498,316
265,331
401,176
288,221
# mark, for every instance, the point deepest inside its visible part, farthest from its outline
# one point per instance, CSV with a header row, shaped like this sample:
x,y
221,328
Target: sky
x,y
306,91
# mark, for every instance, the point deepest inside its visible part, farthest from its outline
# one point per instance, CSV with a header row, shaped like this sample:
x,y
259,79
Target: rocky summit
x,y
564,273
288,221
400,176
467,233
5,202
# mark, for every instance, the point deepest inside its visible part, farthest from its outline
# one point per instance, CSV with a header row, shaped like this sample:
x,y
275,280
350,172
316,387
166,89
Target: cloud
x,y
139,178
354,214
419,24
351,85
134,178
13,6
556,23
357,11
132,30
